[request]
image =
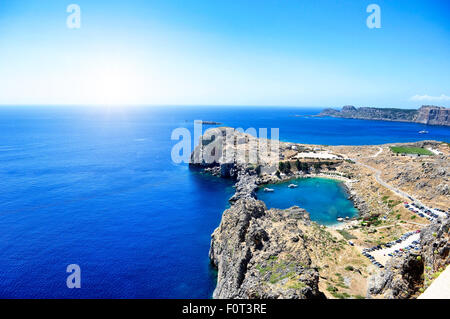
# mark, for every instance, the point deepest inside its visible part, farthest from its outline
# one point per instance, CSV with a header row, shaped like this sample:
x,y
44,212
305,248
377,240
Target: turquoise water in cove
x,y
96,187
325,199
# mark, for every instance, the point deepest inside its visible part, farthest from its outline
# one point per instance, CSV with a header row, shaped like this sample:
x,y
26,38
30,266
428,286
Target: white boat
x,y
340,219
292,186
423,132
269,190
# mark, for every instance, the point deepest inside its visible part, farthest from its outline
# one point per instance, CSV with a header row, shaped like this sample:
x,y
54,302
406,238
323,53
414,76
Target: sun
x,y
112,84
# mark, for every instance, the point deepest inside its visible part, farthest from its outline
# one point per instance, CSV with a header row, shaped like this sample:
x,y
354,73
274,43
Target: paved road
x,y
382,182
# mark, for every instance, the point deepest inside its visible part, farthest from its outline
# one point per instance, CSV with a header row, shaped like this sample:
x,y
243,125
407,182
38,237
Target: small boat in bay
x,y
270,190
423,132
292,186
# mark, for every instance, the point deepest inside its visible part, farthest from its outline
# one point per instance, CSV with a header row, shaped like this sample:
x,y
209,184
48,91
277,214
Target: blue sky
x,y
234,52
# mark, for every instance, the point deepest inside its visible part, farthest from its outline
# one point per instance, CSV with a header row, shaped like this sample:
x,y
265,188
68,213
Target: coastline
x,y
260,228
427,114
344,182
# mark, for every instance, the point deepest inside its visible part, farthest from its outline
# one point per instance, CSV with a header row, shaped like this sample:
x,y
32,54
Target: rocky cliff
x,y
227,152
261,253
401,278
427,114
435,241
433,115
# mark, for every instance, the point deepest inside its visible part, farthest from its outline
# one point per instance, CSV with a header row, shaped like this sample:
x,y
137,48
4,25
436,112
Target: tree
x,y
304,167
284,167
288,167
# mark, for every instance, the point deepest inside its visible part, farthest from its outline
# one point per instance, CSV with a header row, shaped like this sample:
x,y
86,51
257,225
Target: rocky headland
x,y
427,114
273,253
261,253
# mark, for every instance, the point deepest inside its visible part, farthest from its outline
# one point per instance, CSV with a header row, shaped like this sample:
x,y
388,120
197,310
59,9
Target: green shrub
x,y
332,289
346,234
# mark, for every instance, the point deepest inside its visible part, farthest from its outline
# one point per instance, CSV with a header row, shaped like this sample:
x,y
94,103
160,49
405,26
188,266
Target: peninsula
x,y
427,114
394,249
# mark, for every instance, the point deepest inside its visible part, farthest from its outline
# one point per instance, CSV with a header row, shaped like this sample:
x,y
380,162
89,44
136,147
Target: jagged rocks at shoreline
x,y
261,253
358,202
427,114
246,187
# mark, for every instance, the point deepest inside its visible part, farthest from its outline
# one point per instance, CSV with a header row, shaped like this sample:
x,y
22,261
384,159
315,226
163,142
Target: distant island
x,y
427,114
210,123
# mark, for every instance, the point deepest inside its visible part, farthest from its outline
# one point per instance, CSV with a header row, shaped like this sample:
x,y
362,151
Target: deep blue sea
x,y
96,187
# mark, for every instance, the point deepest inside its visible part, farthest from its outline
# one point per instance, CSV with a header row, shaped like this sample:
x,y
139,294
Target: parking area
x,y
379,255
429,213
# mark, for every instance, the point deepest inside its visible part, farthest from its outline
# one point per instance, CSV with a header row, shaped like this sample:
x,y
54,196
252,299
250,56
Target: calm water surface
x,y
97,188
325,199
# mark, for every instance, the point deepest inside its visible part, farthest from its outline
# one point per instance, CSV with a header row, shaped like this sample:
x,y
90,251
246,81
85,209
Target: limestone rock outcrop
x,y
261,253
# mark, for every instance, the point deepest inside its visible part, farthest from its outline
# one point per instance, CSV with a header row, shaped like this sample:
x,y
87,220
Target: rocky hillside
x,y
427,114
427,177
433,115
261,253
407,275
